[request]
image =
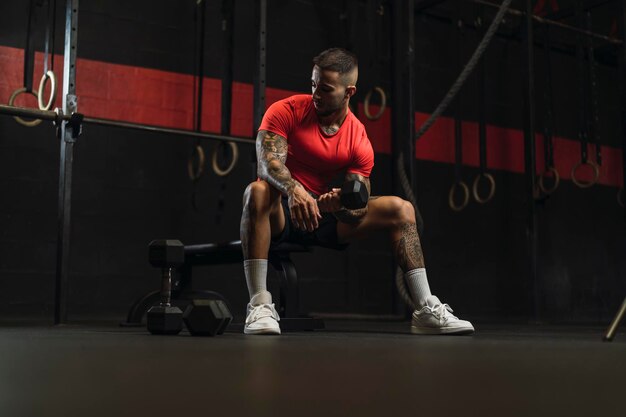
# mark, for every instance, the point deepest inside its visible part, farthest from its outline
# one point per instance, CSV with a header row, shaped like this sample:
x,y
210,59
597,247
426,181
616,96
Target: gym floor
x,y
353,368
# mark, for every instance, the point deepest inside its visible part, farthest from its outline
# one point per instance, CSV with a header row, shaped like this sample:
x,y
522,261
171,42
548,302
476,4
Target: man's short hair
x,y
337,59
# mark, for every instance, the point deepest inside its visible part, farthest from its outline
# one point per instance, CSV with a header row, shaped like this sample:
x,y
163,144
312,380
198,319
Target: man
x,y
303,143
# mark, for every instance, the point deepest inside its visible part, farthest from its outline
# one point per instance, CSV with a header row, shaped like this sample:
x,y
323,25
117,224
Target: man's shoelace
x,y
260,311
443,311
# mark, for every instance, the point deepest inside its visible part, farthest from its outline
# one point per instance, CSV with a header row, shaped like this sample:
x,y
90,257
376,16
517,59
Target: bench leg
x,y
289,306
289,294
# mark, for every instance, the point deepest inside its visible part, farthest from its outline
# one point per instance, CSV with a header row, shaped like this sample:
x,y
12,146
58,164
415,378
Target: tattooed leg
x,y
408,253
407,247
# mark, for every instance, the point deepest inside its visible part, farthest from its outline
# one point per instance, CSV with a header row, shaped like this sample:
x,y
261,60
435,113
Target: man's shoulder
x,y
356,122
299,101
357,127
296,103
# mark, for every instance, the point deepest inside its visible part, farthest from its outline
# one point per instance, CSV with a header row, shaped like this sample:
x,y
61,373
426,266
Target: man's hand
x,y
330,202
305,214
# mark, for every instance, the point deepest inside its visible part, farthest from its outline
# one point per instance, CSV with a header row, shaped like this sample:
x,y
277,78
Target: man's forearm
x,y
277,174
350,216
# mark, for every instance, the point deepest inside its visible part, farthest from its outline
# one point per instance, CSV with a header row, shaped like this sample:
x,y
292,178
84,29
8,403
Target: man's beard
x,y
328,111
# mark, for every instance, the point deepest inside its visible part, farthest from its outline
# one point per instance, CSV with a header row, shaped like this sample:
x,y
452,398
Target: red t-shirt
x,y
313,157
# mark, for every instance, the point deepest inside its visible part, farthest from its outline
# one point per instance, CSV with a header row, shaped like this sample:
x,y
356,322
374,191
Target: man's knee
x,y
401,211
259,195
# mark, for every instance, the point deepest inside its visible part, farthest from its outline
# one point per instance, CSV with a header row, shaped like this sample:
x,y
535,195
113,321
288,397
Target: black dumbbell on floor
x,y
203,317
207,317
165,318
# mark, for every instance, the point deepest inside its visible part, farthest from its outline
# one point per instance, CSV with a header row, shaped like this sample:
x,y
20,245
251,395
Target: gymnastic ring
x,y
541,181
492,187
383,103
596,174
216,168
53,90
620,197
27,123
195,174
466,196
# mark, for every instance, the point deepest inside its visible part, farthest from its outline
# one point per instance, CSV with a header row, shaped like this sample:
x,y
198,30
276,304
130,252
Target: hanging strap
x,y
458,149
482,132
548,124
458,144
458,164
48,55
29,50
582,110
582,103
197,158
29,64
48,73
482,127
594,120
548,127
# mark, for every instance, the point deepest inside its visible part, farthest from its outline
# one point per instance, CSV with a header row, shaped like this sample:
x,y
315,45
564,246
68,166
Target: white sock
x,y
418,286
256,275
263,297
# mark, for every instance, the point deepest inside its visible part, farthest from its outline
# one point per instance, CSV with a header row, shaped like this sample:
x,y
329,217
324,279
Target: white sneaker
x,y
262,319
437,318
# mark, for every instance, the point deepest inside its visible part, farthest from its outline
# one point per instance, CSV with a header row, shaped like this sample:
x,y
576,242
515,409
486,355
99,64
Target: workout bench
x,y
227,253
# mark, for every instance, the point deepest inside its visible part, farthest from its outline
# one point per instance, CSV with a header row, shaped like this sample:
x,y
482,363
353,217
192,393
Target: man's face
x,y
329,92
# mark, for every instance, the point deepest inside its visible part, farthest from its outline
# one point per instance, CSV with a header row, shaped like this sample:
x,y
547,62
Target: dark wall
x,y
132,187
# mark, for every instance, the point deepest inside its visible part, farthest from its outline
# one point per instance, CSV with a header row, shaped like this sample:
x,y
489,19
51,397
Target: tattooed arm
x,y
271,151
353,216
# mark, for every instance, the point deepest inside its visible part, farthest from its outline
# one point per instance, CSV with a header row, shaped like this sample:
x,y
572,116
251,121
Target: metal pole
x,y
529,157
157,129
59,118
610,333
409,112
68,138
259,75
259,78
201,13
403,114
402,126
228,13
622,67
30,113
622,79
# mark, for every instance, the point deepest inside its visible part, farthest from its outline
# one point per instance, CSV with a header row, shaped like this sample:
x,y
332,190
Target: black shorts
x,y
325,235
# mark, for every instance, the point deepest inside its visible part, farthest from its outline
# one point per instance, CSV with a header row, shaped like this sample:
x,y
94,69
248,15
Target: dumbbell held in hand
x,y
354,195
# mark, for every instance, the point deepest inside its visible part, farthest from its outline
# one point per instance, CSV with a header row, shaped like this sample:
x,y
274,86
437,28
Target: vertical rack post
x,y
228,12
260,73
68,137
200,22
261,60
530,158
622,67
403,114
403,111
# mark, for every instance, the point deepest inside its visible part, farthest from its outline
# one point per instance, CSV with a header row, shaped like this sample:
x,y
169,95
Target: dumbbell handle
x,y
166,286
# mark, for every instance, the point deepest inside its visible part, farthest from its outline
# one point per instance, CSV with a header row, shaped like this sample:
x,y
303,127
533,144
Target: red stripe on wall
x,y
162,98
505,150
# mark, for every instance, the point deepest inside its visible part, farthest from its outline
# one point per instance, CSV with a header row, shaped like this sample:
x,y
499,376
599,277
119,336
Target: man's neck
x,y
332,122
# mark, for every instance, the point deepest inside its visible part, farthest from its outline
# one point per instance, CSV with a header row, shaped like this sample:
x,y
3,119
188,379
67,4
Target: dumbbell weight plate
x,y
354,195
205,317
165,320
